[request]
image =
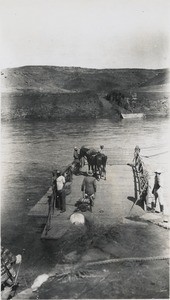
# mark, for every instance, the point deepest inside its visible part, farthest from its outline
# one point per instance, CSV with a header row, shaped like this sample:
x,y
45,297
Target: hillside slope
x,y
68,79
39,91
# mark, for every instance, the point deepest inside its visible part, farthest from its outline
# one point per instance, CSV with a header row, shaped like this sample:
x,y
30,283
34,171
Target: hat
x,y
158,171
75,148
58,172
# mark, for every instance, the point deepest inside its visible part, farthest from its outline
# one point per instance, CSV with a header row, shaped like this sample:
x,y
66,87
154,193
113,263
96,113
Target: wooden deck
x,y
111,203
114,199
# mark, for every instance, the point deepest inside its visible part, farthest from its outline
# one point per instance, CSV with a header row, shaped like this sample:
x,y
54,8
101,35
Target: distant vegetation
x,y
123,100
47,92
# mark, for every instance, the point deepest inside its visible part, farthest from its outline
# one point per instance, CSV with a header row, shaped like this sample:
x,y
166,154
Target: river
x,y
31,150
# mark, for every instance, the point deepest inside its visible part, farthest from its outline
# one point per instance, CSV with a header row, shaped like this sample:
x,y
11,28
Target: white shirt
x,y
60,182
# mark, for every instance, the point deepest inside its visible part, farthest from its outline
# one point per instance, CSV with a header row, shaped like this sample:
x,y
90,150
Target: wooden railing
x,y
141,183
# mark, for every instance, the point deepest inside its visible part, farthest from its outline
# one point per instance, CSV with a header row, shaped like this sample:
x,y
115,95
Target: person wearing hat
x,y
60,182
103,156
137,159
101,149
89,185
75,153
158,191
76,161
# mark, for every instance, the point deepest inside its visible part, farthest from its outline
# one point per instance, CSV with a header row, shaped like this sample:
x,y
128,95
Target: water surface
x,y
31,150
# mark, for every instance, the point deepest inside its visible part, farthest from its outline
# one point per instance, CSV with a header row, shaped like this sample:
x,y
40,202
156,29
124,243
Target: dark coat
x,y
89,185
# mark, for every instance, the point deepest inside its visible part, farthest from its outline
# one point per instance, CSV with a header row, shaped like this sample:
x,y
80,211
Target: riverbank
x,y
54,93
78,105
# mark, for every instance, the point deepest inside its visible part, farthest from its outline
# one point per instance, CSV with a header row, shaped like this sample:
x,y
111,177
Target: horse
x,y
100,164
89,154
83,151
96,160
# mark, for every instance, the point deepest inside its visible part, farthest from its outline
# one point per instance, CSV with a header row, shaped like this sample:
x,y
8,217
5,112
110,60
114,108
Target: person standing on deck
x,y
158,191
54,190
8,274
75,153
76,161
89,185
101,150
136,155
60,182
137,161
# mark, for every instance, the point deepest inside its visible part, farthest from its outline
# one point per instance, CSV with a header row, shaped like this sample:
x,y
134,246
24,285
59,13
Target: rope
x,y
148,156
50,212
127,259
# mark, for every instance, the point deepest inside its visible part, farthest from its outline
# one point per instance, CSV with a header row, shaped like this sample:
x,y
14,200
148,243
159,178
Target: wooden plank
x,y
110,206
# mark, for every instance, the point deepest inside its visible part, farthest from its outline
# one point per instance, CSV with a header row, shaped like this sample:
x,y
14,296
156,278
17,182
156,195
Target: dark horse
x,y
96,160
101,160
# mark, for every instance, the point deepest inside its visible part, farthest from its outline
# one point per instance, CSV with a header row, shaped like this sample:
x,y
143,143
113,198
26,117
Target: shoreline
x,y
35,104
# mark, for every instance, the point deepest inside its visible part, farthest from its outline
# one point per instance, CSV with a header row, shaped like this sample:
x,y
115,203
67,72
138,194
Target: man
x,y
75,153
89,185
76,161
8,274
101,160
60,182
54,190
136,156
158,191
101,150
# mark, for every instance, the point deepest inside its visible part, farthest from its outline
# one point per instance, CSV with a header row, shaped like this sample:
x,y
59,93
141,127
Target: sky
x,y
85,33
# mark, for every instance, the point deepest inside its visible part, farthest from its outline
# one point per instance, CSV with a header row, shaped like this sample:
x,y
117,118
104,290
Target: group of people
x,y
9,261
157,190
79,162
58,183
88,187
89,184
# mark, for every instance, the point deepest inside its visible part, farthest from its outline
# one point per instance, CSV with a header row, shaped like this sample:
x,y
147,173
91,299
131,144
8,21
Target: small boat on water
x,y
132,116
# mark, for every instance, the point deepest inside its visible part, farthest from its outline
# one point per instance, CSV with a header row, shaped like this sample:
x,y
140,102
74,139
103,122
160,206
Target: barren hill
x,y
50,79
51,92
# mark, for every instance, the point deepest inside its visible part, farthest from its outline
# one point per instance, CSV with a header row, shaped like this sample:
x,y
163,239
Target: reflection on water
x,y
30,150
